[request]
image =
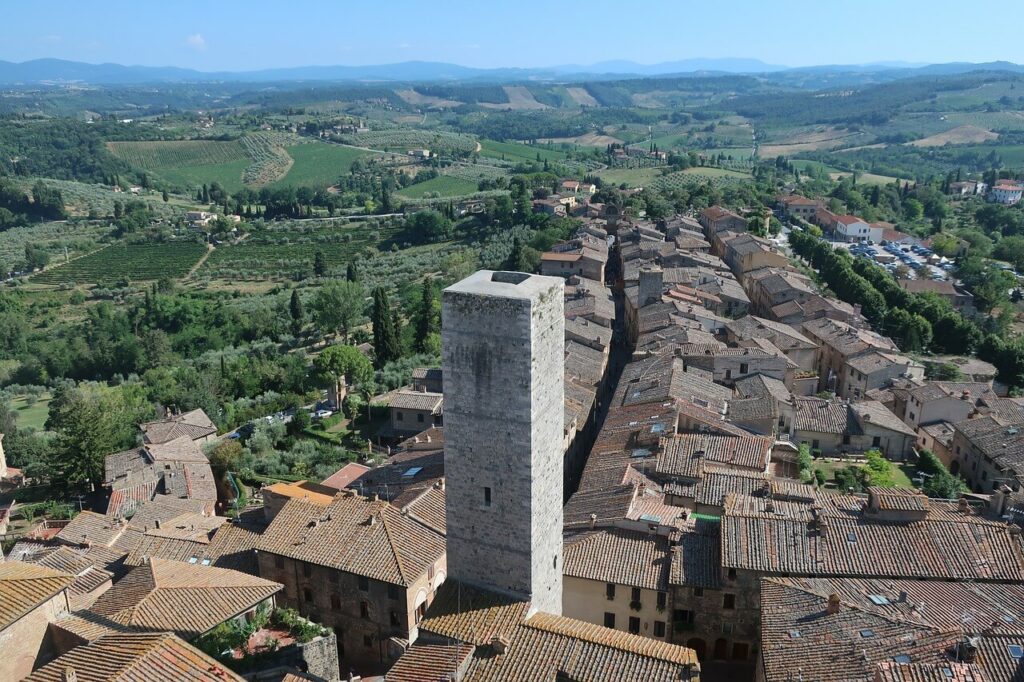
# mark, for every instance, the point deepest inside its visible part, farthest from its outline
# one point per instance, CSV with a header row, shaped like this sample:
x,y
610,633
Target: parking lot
x,y
892,255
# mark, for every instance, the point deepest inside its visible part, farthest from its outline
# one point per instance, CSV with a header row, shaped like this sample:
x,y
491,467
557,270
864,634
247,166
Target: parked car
x,y
322,414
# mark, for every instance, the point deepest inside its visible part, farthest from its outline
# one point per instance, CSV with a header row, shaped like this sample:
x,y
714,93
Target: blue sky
x,y
233,35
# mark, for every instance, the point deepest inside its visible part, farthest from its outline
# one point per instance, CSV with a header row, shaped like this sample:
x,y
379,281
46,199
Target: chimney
x,y
69,675
903,597
499,643
822,527
428,437
963,506
967,650
833,604
593,520
156,524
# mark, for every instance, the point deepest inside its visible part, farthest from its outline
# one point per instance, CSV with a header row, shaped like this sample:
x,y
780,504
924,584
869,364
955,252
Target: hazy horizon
x,y
235,36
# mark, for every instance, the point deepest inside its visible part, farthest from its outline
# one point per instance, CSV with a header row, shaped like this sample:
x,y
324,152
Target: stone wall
x,y
502,350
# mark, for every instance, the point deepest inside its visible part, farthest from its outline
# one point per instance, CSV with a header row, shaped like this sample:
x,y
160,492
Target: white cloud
x,y
196,42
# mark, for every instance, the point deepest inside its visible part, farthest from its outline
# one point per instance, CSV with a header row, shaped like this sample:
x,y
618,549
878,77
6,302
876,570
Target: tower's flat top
x,y
500,284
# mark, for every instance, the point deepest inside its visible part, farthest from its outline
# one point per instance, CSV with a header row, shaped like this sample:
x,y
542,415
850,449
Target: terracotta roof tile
x,y
186,598
356,535
136,657
25,586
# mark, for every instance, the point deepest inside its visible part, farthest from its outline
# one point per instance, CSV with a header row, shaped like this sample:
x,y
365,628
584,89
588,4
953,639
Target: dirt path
x,y
209,250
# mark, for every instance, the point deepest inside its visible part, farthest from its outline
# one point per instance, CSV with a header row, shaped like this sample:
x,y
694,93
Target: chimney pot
x,y
833,604
593,520
69,675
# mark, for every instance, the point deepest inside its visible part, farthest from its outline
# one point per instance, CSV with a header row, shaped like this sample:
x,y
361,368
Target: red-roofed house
x,y
1007,192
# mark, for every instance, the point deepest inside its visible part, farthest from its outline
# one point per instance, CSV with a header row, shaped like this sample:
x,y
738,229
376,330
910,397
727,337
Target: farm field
x,y
404,139
1012,155
318,164
286,252
228,175
737,153
132,261
866,178
964,134
519,99
636,177
159,155
76,237
443,185
513,151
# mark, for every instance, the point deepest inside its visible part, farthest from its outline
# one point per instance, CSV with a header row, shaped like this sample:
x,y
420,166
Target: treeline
x,y
915,322
63,148
18,208
872,105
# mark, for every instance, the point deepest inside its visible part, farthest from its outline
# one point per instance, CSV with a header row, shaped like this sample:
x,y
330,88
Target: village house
x,y
851,228
198,219
797,206
186,598
831,427
550,206
194,424
716,219
1006,192
618,578
745,253
888,630
988,452
176,468
887,535
797,347
33,597
575,258
966,188
937,401
329,560
769,288
960,299
131,656
411,411
839,343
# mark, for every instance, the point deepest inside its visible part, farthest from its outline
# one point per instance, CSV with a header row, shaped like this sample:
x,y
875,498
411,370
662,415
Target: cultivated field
x,y
319,164
157,156
421,100
404,139
132,261
442,185
515,152
965,134
519,99
582,97
288,252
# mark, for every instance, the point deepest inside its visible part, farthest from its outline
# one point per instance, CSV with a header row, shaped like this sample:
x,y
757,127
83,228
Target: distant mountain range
x,y
59,71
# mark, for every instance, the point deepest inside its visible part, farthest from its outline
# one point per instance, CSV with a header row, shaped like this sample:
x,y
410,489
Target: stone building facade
x,y
502,348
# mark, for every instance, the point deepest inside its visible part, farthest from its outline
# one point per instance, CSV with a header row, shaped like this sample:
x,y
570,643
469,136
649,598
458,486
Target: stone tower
x,y
652,285
503,336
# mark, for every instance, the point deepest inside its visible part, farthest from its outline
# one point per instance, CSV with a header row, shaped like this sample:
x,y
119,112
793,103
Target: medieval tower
x,y
502,347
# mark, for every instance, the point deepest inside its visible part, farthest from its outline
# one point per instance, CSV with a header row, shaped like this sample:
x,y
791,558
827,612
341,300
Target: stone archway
x,y
721,649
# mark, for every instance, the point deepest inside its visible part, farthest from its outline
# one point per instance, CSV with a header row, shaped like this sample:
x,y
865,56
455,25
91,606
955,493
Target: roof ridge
x,y
391,544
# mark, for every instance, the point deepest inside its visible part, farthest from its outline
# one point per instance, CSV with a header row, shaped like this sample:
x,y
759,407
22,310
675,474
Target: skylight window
x,y
412,472
878,599
641,452
794,634
658,428
851,537
866,634
901,658
192,560
1016,651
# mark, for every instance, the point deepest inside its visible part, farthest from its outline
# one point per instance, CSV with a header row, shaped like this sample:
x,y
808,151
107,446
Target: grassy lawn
x,y
636,177
318,164
443,185
901,473
34,415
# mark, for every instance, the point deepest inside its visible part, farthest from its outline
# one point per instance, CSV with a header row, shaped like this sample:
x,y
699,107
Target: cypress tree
x,y
351,273
426,316
319,264
385,336
298,315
